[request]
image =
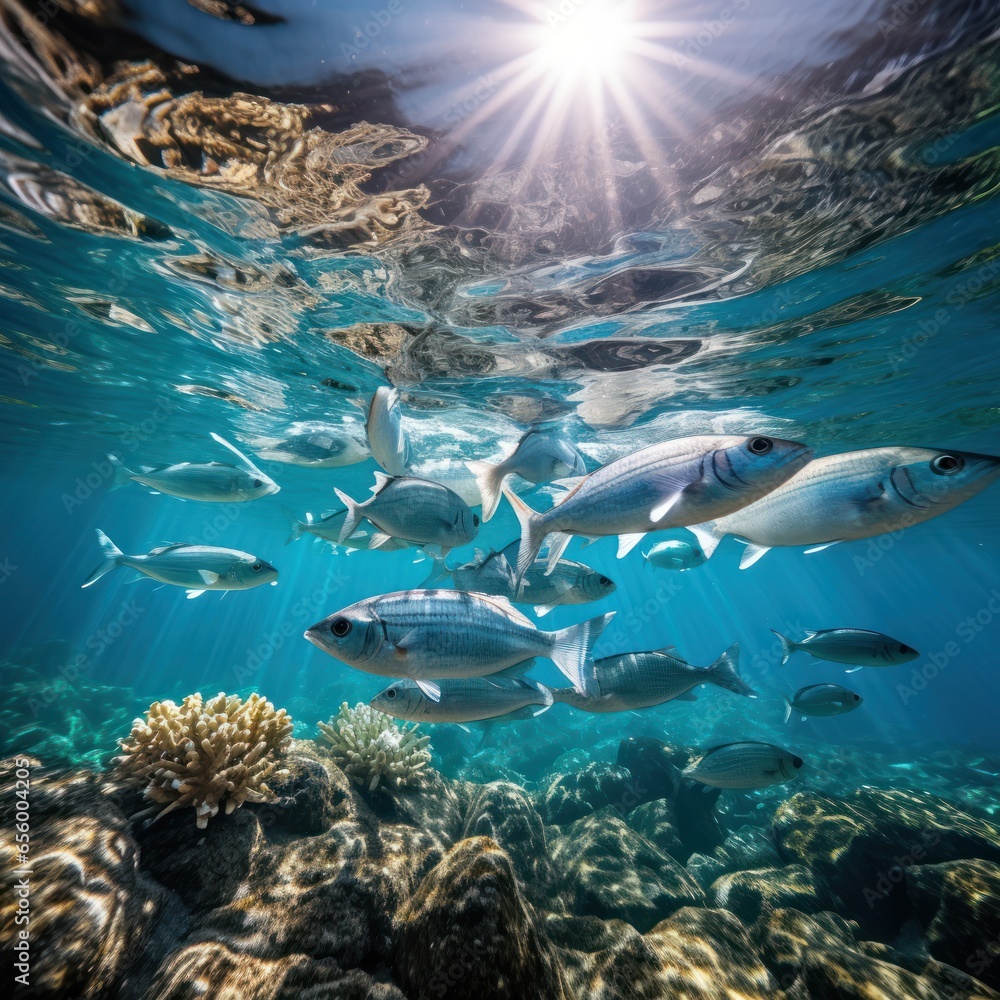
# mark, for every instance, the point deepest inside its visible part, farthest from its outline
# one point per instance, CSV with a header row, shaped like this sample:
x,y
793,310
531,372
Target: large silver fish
x,y
854,495
389,443
744,765
316,446
414,510
629,681
857,647
568,583
822,700
669,485
196,567
466,699
540,457
214,482
430,634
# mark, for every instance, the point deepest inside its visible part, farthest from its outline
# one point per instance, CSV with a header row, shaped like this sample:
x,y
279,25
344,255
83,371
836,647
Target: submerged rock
x,y
863,845
958,904
468,933
311,793
657,822
744,849
571,796
608,870
750,893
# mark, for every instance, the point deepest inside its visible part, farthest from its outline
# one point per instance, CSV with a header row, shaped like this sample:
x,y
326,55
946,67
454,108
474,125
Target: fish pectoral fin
x,y
752,553
825,545
378,539
412,638
541,610
192,594
628,542
208,577
853,670
660,511
430,690
463,727
246,463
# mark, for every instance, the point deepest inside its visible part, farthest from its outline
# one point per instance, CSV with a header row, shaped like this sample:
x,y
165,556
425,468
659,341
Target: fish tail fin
x,y
787,646
120,473
111,554
354,515
788,710
709,535
532,532
572,646
439,571
489,479
725,672
298,528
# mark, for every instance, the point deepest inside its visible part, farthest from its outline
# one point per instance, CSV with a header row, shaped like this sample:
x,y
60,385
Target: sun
x,y
584,39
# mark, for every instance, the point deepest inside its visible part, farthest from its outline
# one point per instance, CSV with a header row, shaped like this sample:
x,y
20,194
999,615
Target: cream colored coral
x,y
370,747
203,753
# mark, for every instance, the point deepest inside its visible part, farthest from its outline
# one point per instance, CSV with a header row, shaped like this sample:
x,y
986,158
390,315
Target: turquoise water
x,y
756,221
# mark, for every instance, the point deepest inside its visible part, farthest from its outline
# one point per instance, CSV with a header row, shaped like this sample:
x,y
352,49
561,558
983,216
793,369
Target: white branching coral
x,y
204,753
371,748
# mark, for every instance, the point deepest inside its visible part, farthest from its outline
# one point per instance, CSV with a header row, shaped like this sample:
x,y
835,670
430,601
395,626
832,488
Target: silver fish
x,y
415,510
196,567
389,443
430,634
468,699
213,482
854,495
822,700
540,457
667,485
675,554
629,681
568,583
857,647
315,446
744,765
329,526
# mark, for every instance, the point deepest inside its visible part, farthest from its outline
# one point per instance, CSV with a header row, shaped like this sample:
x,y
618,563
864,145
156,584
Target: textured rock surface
x,y
657,822
608,870
749,893
863,844
958,904
743,849
311,794
570,796
468,921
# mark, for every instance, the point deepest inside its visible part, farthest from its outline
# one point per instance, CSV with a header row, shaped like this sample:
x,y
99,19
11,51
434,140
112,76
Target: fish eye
x,y
255,567
604,581
340,627
257,483
904,649
797,762
475,520
391,694
857,697
760,445
947,465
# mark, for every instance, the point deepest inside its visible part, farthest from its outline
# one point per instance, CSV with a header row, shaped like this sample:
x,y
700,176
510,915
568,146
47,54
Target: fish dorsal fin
x,y
628,542
810,632
666,650
382,480
244,461
430,690
507,608
752,553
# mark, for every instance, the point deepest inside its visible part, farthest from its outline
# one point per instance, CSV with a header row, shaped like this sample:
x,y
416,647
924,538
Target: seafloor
x,y
609,876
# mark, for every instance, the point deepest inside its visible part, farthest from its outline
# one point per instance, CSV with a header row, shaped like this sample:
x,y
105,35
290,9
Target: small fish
x,y
213,482
629,681
822,700
316,446
430,634
675,554
540,457
469,699
196,567
415,510
568,583
854,495
667,485
744,765
389,443
857,647
329,526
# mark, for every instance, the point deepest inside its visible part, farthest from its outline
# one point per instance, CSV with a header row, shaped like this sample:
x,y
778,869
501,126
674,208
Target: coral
x,y
203,753
372,749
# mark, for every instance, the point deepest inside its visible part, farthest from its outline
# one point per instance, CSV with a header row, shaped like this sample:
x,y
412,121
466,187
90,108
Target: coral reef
x,y
203,754
372,749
